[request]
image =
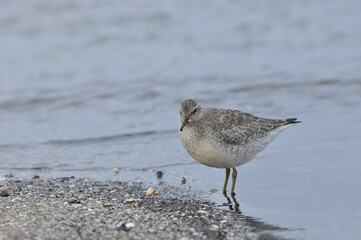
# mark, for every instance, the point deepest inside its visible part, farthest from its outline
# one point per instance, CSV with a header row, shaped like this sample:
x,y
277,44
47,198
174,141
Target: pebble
x,y
10,175
126,226
214,228
4,194
74,201
202,212
184,181
16,199
5,191
108,205
116,171
129,225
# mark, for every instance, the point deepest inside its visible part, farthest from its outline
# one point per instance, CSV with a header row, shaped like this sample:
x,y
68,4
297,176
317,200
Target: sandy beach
x,y
70,208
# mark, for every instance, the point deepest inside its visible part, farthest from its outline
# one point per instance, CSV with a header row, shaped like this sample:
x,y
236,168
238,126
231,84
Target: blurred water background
x,y
89,85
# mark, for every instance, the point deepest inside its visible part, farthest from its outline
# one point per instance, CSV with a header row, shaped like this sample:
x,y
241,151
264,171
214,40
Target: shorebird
x,y
225,138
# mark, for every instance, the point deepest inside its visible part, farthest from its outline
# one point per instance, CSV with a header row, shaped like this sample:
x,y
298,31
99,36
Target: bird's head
x,y
190,112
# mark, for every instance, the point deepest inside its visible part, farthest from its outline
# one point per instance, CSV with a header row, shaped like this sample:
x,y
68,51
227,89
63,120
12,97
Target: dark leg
x,y
228,171
234,178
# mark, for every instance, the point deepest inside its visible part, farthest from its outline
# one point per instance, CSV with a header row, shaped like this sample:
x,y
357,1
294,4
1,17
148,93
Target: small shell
x,y
150,191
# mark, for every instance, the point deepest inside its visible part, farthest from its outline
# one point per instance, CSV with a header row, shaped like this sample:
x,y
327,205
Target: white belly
x,y
224,156
214,153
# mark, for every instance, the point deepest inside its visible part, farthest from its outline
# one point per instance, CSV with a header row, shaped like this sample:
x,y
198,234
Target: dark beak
x,y
185,121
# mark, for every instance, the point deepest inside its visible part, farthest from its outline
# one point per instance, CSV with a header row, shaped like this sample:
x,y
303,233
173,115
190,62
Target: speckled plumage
x,y
225,138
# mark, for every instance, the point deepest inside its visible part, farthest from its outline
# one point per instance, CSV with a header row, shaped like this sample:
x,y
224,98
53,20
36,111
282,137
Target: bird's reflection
x,y
257,226
232,203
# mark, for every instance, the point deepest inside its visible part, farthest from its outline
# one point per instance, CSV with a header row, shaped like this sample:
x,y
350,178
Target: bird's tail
x,y
292,121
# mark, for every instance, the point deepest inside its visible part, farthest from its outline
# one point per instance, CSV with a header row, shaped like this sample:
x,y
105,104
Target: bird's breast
x,y
204,150
190,139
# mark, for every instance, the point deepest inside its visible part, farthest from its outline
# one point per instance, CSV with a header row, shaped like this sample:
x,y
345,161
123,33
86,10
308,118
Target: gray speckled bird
x,y
225,138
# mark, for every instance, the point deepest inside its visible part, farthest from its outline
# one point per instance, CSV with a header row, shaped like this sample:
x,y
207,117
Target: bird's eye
x,y
194,111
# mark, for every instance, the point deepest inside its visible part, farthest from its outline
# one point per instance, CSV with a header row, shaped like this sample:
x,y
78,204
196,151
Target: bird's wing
x,y
238,128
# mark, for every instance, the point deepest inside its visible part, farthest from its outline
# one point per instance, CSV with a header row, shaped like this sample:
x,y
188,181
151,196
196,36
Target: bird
x,y
225,138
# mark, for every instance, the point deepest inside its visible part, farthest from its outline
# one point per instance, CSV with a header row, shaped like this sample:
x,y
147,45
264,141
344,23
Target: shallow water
x,y
87,86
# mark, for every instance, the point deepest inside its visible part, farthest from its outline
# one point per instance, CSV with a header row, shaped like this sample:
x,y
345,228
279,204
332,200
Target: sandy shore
x,y
70,208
